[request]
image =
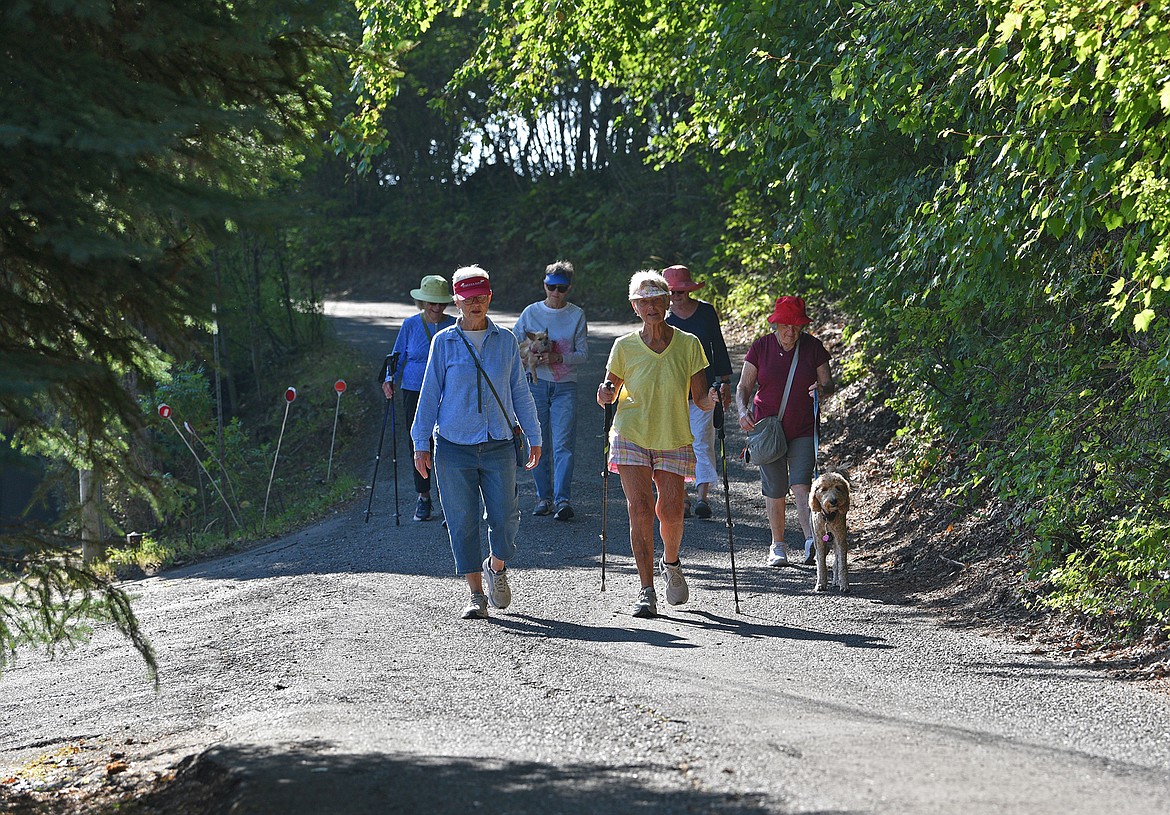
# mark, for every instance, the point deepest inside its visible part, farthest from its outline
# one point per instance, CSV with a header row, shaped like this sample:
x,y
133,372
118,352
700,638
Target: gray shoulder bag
x,y
766,442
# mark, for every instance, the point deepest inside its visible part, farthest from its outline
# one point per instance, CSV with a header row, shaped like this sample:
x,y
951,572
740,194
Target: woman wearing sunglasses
x,y
413,346
555,386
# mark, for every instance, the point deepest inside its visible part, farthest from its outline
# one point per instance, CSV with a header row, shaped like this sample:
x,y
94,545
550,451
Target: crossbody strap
x,y
475,358
788,384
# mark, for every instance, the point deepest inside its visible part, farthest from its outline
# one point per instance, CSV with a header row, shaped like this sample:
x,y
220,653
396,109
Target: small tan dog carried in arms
x,y
829,502
532,346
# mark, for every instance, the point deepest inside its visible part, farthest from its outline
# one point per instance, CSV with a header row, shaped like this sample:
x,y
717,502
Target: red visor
x,y
472,287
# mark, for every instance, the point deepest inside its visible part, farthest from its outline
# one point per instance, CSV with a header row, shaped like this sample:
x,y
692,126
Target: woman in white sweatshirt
x,y
555,386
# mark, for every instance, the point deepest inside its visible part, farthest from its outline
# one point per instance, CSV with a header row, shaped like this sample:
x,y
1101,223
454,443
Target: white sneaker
x,y
777,556
498,592
477,608
677,592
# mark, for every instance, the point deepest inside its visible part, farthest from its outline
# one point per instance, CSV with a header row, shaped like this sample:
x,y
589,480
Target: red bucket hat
x,y
679,278
789,311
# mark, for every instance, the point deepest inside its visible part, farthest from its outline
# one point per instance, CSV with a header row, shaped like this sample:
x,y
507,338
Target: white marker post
x,y
338,386
289,395
164,410
219,461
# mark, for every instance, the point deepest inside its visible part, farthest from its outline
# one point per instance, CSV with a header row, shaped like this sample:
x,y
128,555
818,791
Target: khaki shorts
x,y
794,468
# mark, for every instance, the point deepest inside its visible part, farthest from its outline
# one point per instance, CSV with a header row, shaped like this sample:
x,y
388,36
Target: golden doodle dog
x,y
532,345
829,502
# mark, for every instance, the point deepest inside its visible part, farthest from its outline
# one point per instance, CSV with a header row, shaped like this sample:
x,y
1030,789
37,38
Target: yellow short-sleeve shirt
x,y
652,407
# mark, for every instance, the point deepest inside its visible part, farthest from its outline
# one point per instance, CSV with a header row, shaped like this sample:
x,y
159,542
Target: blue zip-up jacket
x,y
457,404
412,345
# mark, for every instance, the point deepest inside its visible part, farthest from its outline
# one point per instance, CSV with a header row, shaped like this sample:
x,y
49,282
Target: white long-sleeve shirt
x,y
568,336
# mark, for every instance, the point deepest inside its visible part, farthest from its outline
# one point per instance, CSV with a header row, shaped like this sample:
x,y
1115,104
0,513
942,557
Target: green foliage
x,y
1086,89
982,185
51,600
1125,578
151,553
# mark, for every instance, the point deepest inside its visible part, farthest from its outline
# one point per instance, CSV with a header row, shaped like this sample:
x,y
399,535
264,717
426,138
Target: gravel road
x,y
329,671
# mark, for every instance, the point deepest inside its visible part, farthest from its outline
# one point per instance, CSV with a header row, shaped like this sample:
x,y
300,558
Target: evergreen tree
x,y
132,134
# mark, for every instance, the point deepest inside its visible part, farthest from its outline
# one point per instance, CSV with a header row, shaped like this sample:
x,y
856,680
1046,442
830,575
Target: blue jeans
x,y
471,477
556,408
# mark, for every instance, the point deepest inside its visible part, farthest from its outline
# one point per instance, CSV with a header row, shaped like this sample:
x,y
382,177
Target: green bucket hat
x,y
433,289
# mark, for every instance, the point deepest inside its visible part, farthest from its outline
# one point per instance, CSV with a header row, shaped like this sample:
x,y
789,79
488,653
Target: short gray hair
x,y
648,283
464,272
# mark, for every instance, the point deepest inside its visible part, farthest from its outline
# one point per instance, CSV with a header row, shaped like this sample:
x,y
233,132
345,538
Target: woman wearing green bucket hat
x,y
413,347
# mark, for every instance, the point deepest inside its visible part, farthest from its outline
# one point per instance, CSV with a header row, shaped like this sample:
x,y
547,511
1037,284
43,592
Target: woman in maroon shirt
x,y
760,392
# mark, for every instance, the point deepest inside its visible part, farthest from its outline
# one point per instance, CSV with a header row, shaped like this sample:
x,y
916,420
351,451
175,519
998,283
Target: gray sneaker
x,y
810,555
543,507
498,590
477,608
423,509
677,592
647,605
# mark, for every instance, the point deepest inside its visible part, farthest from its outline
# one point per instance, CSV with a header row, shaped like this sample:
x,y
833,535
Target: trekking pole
x,y
394,437
610,409
718,420
816,434
381,438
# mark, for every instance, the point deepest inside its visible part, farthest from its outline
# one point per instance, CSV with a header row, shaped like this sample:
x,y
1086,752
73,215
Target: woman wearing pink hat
x,y
760,393
699,317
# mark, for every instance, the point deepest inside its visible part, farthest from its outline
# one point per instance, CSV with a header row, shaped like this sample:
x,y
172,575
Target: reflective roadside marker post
x,y
289,395
338,386
218,460
164,410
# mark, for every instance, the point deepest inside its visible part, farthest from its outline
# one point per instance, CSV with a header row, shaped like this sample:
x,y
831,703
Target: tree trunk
x,y
93,548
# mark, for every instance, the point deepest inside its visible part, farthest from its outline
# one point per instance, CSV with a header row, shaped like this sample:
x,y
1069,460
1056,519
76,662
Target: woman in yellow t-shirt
x,y
648,376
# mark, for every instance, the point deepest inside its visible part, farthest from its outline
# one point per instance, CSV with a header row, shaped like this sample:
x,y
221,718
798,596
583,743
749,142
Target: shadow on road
x,y
527,625
308,778
740,627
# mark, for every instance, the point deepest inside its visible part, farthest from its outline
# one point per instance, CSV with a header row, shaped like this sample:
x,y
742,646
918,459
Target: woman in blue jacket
x,y
473,394
413,347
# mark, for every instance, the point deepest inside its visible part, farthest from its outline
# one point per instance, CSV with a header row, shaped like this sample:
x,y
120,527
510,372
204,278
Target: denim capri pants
x,y
477,480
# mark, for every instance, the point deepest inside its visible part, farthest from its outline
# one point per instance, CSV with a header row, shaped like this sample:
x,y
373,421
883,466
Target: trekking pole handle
x,y
390,367
610,407
718,417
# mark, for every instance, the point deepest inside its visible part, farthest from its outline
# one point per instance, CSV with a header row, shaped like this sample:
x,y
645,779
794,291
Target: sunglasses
x,y
556,287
